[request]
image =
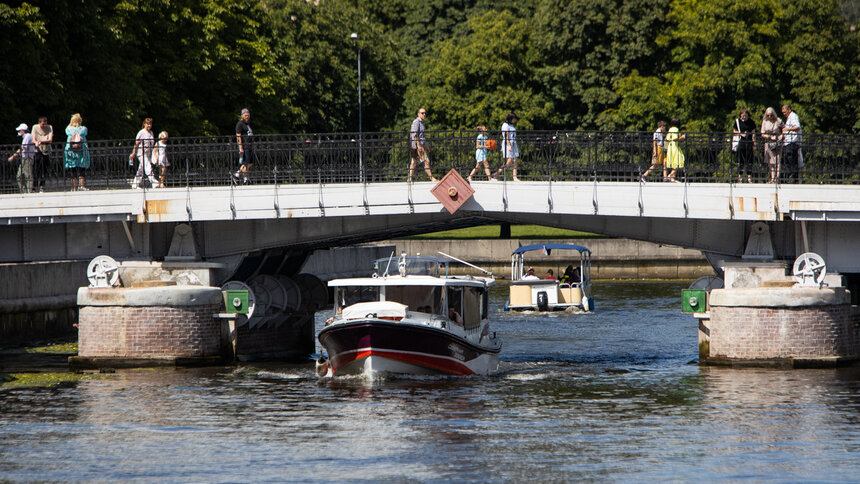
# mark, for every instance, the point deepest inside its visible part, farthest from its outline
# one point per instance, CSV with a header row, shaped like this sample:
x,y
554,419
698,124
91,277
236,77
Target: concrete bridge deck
x,y
712,217
694,201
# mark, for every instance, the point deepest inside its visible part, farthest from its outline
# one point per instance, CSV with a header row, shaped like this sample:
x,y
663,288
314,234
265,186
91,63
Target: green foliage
x,y
517,232
725,54
22,33
588,45
560,64
317,61
479,77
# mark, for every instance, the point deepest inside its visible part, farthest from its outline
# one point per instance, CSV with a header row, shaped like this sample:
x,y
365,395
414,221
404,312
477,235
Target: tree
x,y
819,68
586,46
725,54
479,77
317,61
22,34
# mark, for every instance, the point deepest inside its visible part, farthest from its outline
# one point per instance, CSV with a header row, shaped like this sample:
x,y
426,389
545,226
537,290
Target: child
x,y
481,149
658,154
159,157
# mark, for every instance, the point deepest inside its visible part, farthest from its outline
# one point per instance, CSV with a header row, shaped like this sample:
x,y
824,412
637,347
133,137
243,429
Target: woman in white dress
x,y
509,146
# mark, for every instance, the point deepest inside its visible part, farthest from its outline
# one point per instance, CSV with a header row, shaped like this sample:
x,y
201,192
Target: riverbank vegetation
x,y
44,365
537,232
572,64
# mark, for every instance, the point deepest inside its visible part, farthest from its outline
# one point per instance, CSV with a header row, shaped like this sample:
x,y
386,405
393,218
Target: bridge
x,y
317,191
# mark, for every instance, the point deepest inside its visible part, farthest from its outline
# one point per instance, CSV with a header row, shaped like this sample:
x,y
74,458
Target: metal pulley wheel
x,y
809,269
293,291
252,300
707,283
264,301
103,271
314,292
277,293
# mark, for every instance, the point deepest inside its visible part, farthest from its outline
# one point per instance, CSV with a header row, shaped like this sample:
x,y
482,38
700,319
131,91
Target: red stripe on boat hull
x,y
442,365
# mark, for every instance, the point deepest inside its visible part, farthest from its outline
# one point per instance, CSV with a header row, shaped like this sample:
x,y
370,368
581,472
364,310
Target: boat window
x,y
416,297
472,307
349,295
485,303
455,300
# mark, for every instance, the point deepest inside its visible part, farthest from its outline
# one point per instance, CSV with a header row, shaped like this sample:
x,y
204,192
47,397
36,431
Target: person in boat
x,y
453,315
530,275
570,276
425,309
549,274
331,319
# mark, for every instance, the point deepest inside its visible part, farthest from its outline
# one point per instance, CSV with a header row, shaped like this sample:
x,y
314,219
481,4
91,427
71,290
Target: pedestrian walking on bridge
x,y
144,142
245,140
25,153
418,146
674,154
510,152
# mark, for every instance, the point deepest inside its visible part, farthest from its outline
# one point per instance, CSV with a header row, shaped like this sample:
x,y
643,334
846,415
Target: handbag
x,y
736,139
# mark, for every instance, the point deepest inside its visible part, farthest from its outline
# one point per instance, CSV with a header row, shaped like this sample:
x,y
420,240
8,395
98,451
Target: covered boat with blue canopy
x,y
570,291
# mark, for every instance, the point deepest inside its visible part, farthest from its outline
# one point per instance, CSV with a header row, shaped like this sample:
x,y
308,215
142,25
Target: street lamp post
x,y
354,37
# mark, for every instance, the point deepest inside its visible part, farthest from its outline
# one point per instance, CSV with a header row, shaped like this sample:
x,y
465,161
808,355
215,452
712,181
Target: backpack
x,y
75,143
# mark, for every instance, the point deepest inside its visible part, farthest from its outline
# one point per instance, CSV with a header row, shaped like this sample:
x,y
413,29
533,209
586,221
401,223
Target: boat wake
x,y
275,375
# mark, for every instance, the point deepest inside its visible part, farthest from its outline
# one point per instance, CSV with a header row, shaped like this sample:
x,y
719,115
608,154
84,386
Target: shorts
x,y
659,156
248,157
76,172
415,156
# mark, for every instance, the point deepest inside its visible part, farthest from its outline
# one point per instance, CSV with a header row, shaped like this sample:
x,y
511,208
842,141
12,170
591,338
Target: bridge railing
x,y
385,157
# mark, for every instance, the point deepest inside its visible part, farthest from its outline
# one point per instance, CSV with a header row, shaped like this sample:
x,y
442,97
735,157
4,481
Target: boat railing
x,y
533,282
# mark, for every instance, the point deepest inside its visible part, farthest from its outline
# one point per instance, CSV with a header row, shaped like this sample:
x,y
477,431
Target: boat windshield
x,y
426,299
415,266
349,295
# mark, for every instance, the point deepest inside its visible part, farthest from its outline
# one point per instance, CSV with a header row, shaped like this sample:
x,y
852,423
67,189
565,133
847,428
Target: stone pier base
x,y
782,326
148,326
177,326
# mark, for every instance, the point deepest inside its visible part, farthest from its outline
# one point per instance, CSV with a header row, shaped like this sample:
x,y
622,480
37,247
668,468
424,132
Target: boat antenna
x,y
389,264
464,262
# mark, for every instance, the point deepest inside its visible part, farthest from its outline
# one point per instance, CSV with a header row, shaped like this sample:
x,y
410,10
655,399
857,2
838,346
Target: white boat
x,y
418,321
530,293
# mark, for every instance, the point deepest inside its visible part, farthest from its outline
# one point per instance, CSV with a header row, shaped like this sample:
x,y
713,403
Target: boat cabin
x,y
420,285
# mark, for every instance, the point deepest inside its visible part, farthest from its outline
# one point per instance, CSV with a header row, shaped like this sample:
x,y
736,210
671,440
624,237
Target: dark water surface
x,y
606,396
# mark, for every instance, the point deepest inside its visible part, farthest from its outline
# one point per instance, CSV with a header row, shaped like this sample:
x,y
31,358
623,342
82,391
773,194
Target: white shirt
x,y
793,136
28,149
658,137
147,140
161,154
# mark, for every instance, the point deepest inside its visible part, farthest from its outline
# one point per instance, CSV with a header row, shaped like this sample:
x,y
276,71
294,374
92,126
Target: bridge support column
x,y
148,326
782,326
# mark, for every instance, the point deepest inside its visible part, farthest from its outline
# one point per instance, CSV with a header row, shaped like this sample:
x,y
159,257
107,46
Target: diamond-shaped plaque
x,y
452,191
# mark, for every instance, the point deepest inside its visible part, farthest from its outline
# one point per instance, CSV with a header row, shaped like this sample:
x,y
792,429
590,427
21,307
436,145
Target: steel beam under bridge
x,y
233,221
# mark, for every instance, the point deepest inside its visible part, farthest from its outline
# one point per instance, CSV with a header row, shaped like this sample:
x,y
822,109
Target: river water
x,y
614,395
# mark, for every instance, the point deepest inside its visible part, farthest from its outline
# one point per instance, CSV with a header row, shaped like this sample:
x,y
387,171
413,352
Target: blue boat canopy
x,y
549,247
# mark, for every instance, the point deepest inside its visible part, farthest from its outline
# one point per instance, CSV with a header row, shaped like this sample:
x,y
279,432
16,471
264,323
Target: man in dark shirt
x,y
244,138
